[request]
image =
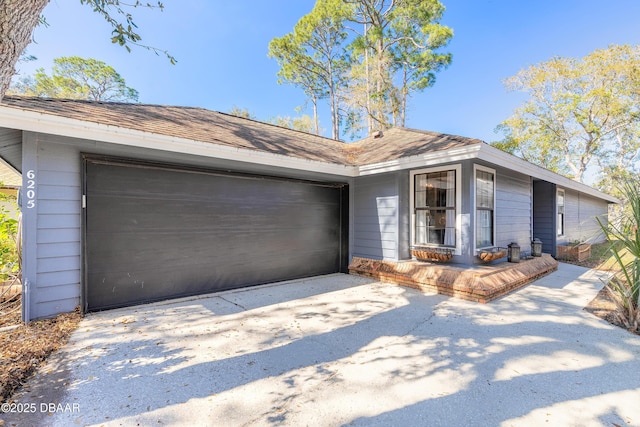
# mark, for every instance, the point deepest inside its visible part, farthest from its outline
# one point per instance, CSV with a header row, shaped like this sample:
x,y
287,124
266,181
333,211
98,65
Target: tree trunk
x,y
18,18
333,104
368,81
405,94
334,111
380,96
316,124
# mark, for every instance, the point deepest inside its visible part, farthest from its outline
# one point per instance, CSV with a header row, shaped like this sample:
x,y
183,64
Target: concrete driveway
x,y
342,350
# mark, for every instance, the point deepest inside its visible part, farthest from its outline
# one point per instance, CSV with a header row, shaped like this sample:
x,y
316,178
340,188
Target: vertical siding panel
x,y
513,210
58,225
404,216
376,206
580,217
29,229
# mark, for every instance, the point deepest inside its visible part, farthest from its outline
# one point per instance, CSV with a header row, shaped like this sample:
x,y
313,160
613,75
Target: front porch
x,y
481,283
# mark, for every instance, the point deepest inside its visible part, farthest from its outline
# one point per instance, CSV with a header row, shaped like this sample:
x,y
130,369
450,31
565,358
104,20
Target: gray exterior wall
x,y
544,215
513,209
468,219
580,221
404,216
52,228
376,209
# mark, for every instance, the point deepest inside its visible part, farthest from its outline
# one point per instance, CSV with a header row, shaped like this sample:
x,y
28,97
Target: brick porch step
x,y
477,283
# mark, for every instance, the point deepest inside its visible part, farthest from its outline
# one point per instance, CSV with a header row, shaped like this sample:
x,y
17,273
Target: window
x,y
560,210
485,207
434,206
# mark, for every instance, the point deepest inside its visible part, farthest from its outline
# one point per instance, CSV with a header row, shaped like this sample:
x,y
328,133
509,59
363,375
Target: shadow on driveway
x,y
343,350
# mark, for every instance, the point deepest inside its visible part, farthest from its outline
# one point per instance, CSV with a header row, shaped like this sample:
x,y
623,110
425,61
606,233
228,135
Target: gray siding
x,y
467,216
404,216
544,215
513,209
581,212
53,253
11,147
376,209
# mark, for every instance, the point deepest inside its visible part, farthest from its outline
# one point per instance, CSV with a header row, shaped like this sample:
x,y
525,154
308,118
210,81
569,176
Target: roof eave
x,y
488,153
496,156
17,118
422,160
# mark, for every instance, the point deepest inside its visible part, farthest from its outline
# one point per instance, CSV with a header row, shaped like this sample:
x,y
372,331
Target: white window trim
x,y
458,169
564,217
475,201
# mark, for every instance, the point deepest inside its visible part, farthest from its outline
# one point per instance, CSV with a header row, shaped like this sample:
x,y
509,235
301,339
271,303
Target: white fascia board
x,y
498,157
422,160
46,123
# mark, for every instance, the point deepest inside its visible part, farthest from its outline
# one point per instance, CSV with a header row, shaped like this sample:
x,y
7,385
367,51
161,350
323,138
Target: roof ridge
x,y
279,127
434,133
91,101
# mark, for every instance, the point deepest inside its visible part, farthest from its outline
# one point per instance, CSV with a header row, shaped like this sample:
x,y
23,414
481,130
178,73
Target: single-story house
x,y
130,203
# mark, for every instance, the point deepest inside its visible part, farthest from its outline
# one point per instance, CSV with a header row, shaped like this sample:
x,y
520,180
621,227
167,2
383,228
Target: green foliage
x,y
124,29
241,112
366,57
625,248
579,111
9,259
303,123
397,54
313,58
73,77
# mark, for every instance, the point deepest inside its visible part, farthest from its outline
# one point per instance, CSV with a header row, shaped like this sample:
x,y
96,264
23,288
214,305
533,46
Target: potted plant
x,y
492,254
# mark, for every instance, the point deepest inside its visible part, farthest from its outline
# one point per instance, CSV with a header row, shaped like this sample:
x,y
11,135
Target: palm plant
x,y
624,237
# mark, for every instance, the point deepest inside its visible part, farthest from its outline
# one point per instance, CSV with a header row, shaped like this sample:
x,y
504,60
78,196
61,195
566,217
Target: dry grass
x,y
604,305
10,311
24,348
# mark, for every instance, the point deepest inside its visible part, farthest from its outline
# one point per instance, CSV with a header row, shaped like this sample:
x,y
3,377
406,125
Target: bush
x,y
625,285
9,253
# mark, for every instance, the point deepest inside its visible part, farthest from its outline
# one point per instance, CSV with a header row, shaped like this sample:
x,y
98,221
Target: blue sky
x,y
221,48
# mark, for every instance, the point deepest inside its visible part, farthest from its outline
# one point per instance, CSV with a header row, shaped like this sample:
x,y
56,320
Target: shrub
x,y
624,286
9,254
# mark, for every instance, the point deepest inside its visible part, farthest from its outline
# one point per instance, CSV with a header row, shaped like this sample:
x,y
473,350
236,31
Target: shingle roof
x,y
400,142
191,123
203,125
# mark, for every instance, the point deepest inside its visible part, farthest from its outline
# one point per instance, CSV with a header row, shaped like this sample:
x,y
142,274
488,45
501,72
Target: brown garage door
x,y
157,232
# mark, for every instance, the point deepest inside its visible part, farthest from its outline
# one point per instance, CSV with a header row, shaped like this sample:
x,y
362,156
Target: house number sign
x,y
31,189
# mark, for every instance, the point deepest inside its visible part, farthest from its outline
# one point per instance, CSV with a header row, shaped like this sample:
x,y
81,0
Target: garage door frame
x,y
138,163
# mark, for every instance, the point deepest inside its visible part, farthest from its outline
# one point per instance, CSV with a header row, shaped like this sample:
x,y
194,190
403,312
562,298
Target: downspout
x,y
26,292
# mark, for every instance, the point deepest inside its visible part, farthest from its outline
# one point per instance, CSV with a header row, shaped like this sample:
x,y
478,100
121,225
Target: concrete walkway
x,y
343,350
